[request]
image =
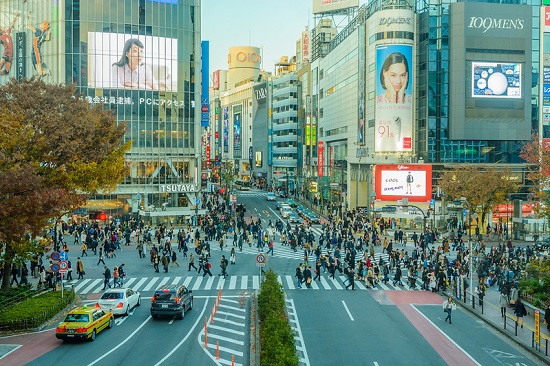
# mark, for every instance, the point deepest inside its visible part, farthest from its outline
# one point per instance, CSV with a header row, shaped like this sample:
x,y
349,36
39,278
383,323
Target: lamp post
x,y
470,249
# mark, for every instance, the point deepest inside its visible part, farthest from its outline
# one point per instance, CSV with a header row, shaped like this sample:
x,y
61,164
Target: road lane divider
x,y
347,310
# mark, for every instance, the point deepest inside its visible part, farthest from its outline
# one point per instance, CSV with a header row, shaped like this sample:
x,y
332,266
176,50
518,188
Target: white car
x,y
270,197
119,300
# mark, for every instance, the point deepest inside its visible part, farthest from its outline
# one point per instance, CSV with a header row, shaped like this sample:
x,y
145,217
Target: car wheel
x,y
154,316
182,315
92,337
139,301
191,305
110,323
127,310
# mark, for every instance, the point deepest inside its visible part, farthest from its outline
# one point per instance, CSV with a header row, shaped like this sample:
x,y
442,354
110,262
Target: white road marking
x,y
255,282
176,280
140,283
446,336
187,281
244,283
209,283
298,329
127,339
199,319
290,282
232,282
197,283
347,310
151,284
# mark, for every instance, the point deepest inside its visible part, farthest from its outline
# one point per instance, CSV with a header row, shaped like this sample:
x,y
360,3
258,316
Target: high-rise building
x,y
141,59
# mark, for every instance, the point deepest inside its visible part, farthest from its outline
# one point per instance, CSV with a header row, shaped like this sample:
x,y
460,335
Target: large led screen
x,y
496,80
124,61
412,181
394,101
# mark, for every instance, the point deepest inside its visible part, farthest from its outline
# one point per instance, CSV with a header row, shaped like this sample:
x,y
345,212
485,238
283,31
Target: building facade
x,y
141,59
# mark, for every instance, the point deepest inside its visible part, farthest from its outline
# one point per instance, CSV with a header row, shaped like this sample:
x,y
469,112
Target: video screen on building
x,y
125,61
412,181
496,80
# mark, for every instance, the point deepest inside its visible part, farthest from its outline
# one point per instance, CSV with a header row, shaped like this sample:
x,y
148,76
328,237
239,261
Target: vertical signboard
x,y
394,112
216,80
320,158
205,90
225,129
537,325
547,19
308,131
361,85
305,46
20,46
237,135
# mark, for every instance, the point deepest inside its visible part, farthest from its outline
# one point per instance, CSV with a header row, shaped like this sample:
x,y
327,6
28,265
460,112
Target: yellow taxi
x,y
84,323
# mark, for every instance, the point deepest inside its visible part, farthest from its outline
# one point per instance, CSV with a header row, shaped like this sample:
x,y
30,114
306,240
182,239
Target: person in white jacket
x,y
448,306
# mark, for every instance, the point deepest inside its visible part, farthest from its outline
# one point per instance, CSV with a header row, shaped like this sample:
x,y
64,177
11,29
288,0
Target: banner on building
x,y
226,129
320,158
394,102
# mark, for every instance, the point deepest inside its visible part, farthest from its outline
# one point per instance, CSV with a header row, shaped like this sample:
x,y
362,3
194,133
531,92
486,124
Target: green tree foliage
x,y
536,281
276,335
538,158
55,149
483,186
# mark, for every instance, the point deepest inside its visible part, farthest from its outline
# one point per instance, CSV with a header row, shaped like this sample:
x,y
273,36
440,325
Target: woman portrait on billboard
x,y
394,78
130,71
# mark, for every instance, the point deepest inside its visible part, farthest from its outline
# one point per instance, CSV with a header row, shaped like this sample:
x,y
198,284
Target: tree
x,y
538,158
55,149
483,186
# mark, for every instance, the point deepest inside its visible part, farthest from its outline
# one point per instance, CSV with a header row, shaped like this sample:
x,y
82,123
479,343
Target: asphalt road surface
x,y
387,325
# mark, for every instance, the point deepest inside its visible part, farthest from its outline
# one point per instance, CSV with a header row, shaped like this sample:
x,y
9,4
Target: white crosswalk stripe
x,y
241,282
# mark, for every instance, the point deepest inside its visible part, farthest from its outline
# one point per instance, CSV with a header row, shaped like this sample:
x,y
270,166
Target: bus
x,y
242,185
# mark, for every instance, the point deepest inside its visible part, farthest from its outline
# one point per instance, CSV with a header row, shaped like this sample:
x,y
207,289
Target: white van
x,y
285,211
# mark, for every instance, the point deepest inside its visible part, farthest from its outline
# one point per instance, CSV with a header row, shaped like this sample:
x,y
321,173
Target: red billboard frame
x,y
382,187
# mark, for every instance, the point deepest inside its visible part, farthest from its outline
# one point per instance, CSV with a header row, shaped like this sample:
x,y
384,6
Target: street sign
x,y
464,213
260,258
54,256
198,202
432,202
63,265
63,256
54,267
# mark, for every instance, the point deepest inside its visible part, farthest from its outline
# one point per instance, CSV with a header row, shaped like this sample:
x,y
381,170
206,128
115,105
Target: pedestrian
x,y
165,262
503,302
100,260
397,277
14,275
174,259
115,277
24,275
351,278
520,312
191,262
223,266
317,270
80,268
270,247
69,271
121,275
206,268
106,277
232,256
299,276
307,276
156,261
84,248
448,306
139,248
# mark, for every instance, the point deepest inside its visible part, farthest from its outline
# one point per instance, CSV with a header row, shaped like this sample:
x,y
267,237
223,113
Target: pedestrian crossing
x,y
240,282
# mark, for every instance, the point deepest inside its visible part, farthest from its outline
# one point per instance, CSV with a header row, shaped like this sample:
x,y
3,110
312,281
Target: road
x,y
387,325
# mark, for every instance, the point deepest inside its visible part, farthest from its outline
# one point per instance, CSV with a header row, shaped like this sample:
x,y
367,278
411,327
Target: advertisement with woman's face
x,y
123,61
394,100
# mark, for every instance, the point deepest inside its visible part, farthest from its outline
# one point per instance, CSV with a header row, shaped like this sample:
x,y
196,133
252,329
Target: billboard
x,y
412,181
320,158
237,134
496,80
226,129
126,61
305,46
394,102
326,6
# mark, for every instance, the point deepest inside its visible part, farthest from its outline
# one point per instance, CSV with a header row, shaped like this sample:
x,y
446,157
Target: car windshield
x,y
77,318
111,296
165,296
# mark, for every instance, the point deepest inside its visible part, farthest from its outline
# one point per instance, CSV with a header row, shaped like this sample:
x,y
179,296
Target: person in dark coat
x,y
397,277
351,278
520,311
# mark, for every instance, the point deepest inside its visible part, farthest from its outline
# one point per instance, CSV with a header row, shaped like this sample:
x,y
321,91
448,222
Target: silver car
x,y
119,300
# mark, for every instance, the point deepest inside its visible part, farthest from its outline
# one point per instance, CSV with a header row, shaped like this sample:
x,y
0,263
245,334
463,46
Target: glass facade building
x,y
141,59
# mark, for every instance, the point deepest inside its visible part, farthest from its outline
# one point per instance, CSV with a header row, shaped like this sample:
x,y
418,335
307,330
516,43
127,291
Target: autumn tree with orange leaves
x,y
483,186
538,172
55,149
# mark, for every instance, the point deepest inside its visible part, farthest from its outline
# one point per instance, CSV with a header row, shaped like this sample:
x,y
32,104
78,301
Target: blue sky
x,y
274,25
